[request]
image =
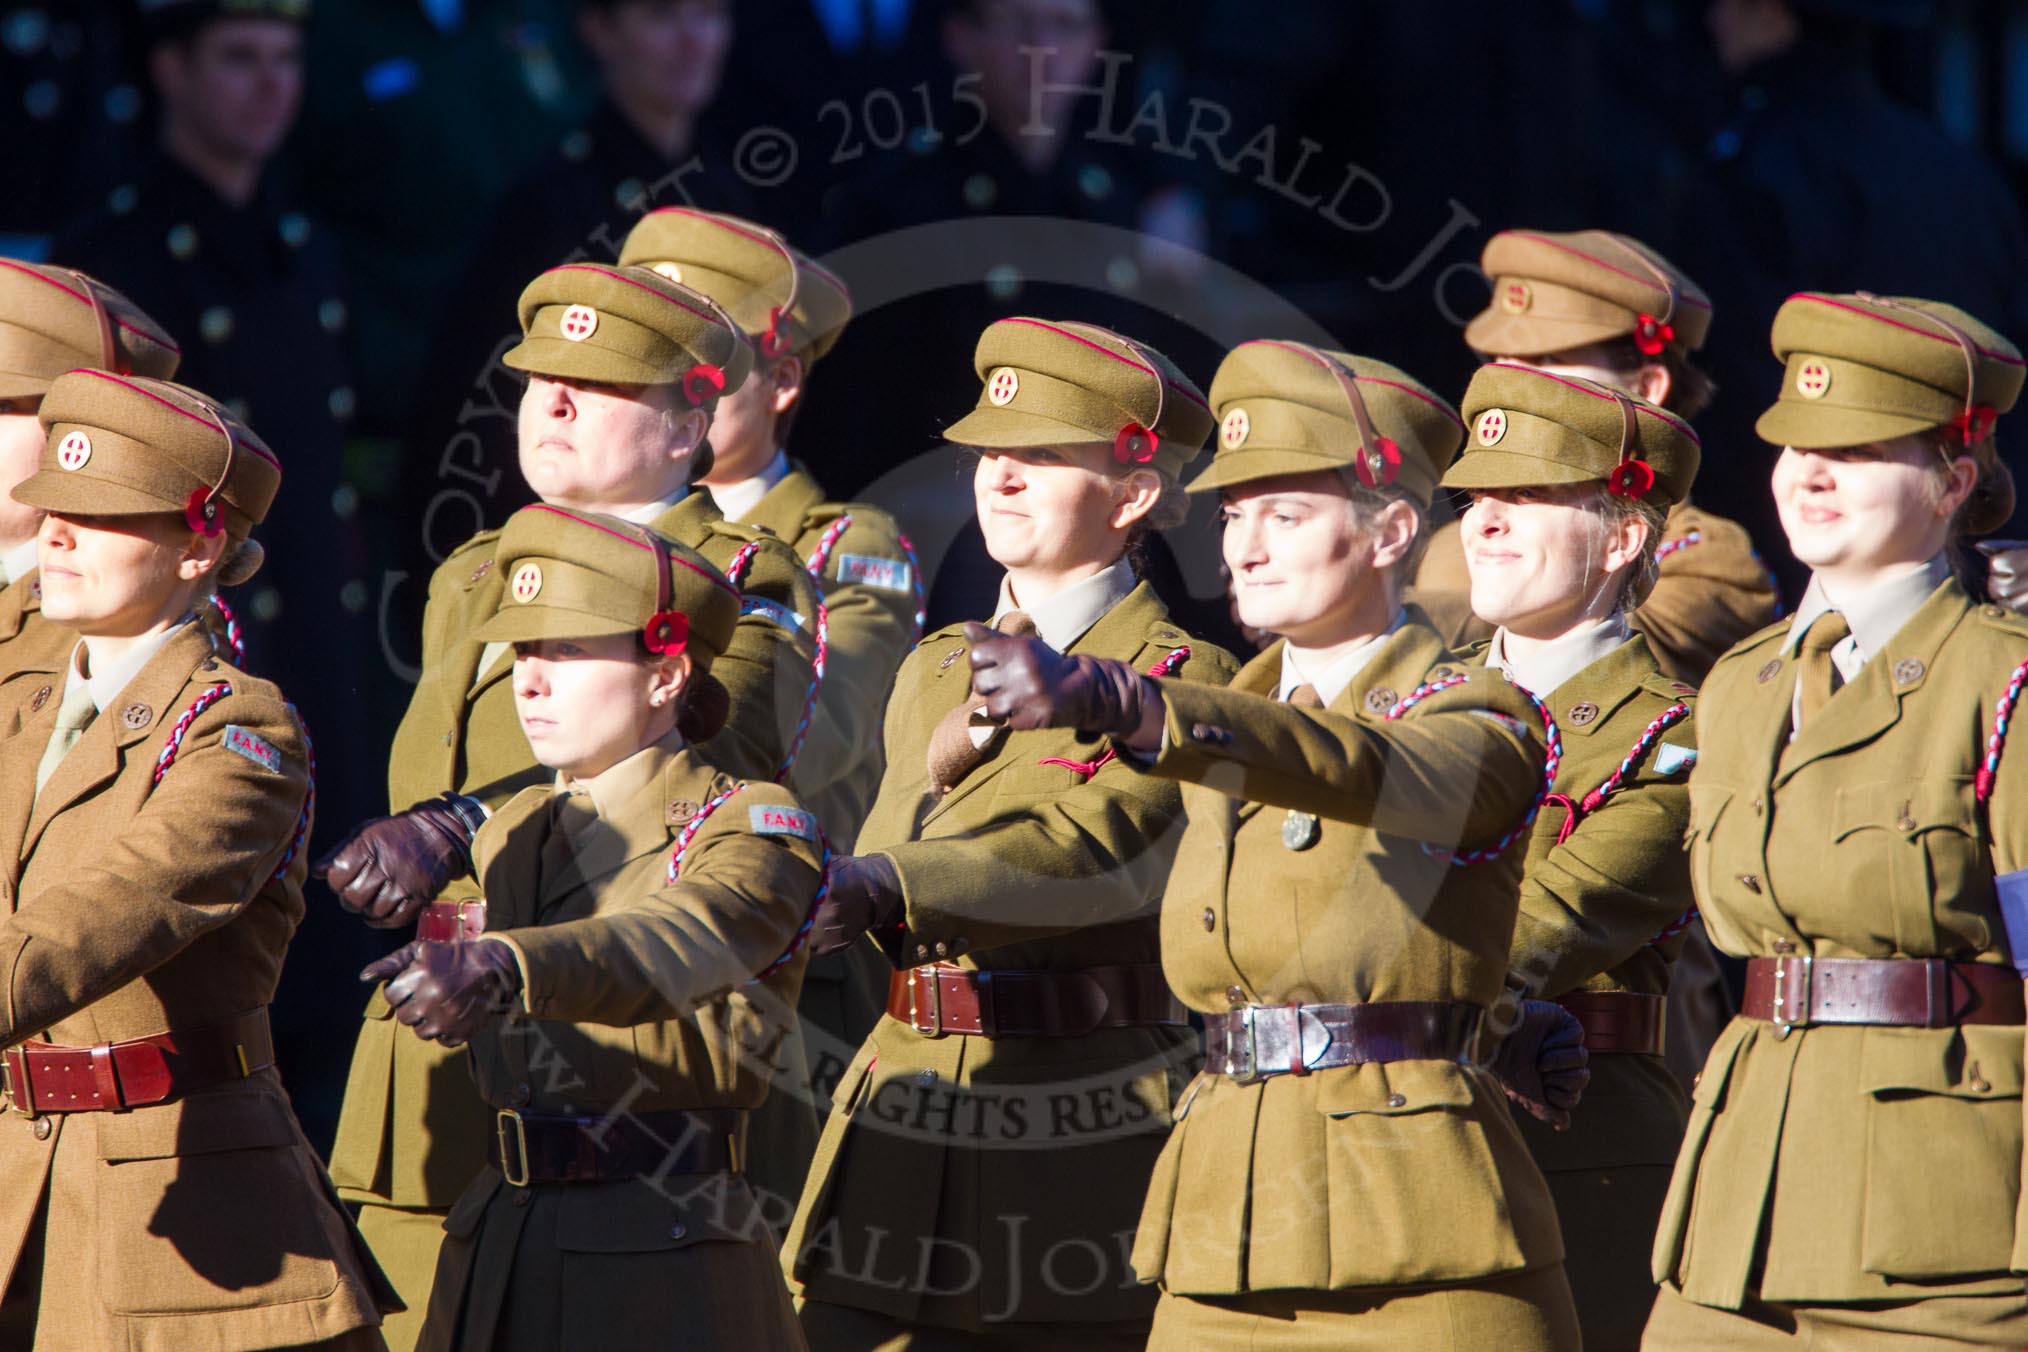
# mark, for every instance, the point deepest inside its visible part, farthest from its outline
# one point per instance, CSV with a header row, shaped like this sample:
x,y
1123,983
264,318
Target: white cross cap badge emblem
x,y
1233,431
527,582
579,323
1492,425
1002,388
1813,380
73,450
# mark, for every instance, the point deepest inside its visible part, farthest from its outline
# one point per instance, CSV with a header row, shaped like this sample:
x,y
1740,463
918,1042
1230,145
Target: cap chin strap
x,y
705,381
1379,458
1136,443
202,511
110,357
1632,477
775,342
1652,335
667,631
1975,424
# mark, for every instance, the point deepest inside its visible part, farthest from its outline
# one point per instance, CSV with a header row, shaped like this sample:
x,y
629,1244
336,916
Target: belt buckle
x,y
513,1146
935,1026
1248,1071
1782,1022
14,1082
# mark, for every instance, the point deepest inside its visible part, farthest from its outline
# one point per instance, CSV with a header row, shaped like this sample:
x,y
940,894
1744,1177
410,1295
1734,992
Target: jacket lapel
x,y
785,506
1261,676
1119,633
1871,704
631,828
689,521
139,711
517,860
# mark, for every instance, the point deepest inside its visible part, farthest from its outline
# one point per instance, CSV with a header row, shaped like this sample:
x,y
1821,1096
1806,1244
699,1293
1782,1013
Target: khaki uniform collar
x,y
649,513
1875,614
1547,669
1330,679
738,500
788,503
1061,620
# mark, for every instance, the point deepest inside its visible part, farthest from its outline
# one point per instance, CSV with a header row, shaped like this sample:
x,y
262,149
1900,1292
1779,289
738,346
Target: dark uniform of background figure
x,y
647,143
1816,179
250,289
1064,182
68,109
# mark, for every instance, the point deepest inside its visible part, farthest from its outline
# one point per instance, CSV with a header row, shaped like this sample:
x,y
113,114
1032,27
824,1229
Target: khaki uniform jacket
x,y
1846,1163
409,1113
635,1001
963,1181
1380,1174
1592,912
28,639
1712,592
205,1223
870,587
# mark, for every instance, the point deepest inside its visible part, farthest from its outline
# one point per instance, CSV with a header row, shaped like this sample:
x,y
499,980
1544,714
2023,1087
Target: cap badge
x,y
1491,426
73,450
1515,297
669,270
1378,464
1001,389
1232,433
527,583
579,323
1135,445
1813,380
667,632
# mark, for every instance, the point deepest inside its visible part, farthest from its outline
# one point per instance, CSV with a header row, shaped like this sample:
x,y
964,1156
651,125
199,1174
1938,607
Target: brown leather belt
x,y
552,1148
1257,1041
940,999
38,1077
1794,992
1618,1023
442,921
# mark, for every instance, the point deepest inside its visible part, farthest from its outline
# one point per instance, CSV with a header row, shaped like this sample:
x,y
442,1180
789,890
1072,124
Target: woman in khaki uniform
x,y
990,1142
153,804
624,368
53,320
1569,481
645,917
792,311
1344,1173
1851,1175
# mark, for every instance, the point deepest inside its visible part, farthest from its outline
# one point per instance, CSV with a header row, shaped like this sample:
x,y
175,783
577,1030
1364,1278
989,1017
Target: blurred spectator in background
x,y
212,244
1817,180
647,143
69,104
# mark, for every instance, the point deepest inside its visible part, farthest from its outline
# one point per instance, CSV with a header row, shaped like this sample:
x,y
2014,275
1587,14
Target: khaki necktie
x,y
73,716
953,751
1305,696
1817,676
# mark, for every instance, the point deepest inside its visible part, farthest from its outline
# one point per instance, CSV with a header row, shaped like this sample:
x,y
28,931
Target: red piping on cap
x,y
1660,415
1609,267
1101,347
1435,403
716,580
1910,328
158,339
108,375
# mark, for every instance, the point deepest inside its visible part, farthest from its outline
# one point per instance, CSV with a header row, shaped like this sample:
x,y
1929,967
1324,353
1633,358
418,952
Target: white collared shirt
x,y
642,516
1874,615
1066,617
736,500
108,679
17,561
1305,666
1555,662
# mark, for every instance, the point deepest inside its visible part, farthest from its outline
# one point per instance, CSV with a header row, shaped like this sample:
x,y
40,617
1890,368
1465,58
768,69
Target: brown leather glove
x,y
1027,685
864,895
2006,573
389,868
446,991
1542,1064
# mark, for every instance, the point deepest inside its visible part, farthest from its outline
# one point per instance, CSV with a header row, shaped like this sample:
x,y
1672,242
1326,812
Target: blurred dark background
x,y
335,214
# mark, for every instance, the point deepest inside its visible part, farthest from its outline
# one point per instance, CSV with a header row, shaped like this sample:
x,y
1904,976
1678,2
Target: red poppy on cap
x,y
1135,445
667,632
1651,335
1381,465
202,513
703,382
1976,424
1631,479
